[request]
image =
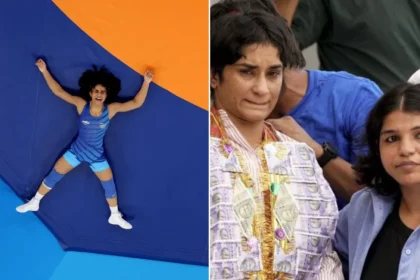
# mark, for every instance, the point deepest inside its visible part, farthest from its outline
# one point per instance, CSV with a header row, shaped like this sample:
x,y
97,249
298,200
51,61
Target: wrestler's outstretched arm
x,y
136,102
57,89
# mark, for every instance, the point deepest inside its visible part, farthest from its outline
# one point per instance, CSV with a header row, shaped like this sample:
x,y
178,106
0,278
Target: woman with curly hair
x,y
98,88
378,233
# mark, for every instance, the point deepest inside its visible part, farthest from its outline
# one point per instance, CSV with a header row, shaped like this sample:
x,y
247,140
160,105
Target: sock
x,y
114,209
38,196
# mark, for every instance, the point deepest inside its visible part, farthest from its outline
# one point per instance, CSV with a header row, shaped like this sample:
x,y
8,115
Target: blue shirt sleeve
x,y
345,225
356,114
341,243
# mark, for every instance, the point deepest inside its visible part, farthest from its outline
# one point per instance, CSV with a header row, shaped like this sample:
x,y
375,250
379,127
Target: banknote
x,y
225,232
311,243
278,161
224,270
269,151
244,211
301,156
244,207
303,175
214,157
319,176
317,208
220,195
218,159
231,164
285,263
240,192
317,226
303,275
280,168
307,173
221,213
224,250
283,150
303,190
218,177
286,211
309,262
250,260
250,263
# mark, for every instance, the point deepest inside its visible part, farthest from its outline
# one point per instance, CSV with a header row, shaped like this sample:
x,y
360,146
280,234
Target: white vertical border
x,y
208,128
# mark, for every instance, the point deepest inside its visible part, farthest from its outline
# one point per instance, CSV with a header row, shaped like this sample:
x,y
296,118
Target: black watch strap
x,y
329,154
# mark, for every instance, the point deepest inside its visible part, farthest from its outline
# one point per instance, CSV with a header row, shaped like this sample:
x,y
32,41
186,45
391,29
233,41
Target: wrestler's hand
x,y
42,66
148,76
287,125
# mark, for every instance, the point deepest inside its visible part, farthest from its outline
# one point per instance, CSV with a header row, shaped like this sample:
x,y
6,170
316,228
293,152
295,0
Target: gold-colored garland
x,y
264,221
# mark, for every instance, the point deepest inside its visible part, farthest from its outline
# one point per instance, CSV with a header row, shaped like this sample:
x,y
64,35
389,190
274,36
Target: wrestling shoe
x,y
116,219
32,205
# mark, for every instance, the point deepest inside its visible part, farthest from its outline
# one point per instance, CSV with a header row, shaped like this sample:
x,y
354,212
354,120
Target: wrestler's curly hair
x,y
99,76
370,170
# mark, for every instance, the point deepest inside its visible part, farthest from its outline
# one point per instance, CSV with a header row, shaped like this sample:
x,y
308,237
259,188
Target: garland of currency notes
x,y
264,221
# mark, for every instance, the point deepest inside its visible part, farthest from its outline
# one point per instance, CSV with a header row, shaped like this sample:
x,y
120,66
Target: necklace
x,y
226,148
264,221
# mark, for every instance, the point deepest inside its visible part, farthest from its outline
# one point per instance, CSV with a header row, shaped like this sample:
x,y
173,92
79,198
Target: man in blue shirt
x,y
327,111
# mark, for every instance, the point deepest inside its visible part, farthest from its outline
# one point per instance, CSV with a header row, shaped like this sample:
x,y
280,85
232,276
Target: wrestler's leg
x,y
66,163
104,174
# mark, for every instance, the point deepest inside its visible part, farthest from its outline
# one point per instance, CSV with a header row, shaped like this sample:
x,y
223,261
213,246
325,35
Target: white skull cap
x,y
415,78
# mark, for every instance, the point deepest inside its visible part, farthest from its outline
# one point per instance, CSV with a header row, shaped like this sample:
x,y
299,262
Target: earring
x,y
213,82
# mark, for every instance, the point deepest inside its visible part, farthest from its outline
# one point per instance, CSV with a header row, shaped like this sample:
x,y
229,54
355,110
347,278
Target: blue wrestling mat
x,y
158,154
30,252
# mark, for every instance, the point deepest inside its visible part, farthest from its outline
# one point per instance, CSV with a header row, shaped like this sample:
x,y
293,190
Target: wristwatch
x,y
330,153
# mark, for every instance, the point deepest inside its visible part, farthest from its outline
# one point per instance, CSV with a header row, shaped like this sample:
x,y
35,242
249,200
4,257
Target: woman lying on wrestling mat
x,y
98,89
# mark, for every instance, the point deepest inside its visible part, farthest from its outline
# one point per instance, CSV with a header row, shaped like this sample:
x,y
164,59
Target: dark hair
x,y
93,77
370,171
236,24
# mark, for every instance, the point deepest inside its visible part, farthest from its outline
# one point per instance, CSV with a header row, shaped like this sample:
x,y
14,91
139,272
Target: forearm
x,y
52,83
340,175
342,178
141,95
287,9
